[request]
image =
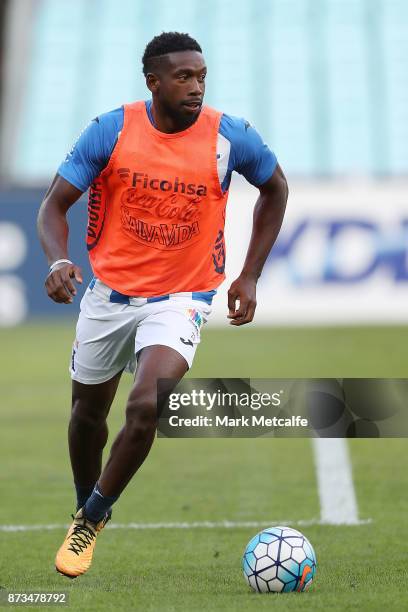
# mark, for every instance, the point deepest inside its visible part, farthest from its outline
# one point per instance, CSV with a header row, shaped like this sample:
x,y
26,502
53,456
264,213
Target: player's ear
x,y
152,82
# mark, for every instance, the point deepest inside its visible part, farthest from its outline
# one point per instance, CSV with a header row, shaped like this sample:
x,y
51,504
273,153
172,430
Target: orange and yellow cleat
x,y
75,555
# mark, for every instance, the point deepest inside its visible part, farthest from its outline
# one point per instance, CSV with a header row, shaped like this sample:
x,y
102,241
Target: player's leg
x,y
134,441
102,348
88,432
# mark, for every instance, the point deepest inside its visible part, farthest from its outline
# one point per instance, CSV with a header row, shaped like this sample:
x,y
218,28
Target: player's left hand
x,y
243,290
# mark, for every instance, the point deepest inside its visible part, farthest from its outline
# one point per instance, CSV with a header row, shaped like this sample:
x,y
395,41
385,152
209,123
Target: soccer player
x,y
158,174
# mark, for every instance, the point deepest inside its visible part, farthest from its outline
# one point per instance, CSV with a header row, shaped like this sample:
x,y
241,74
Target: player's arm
x,y
267,220
82,165
53,233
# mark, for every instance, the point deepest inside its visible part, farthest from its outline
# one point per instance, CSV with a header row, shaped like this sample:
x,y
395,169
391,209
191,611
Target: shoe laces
x,y
81,537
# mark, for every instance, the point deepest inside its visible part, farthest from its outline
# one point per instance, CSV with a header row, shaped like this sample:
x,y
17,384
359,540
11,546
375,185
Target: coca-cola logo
x,y
173,207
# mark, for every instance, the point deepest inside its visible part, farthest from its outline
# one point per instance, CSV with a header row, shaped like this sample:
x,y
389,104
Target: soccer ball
x,y
279,559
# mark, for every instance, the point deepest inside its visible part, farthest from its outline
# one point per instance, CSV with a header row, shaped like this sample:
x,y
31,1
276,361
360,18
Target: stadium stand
x,y
323,81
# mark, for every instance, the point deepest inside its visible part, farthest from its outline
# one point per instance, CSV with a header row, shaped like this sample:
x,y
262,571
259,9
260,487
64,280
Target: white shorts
x,y
110,333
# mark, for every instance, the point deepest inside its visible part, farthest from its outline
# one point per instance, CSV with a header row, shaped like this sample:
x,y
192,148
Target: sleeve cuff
x,y
71,180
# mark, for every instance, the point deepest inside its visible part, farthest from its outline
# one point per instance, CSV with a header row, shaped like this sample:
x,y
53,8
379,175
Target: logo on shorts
x,y
195,317
188,342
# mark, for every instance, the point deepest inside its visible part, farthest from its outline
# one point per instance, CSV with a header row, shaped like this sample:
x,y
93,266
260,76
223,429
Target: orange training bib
x,y
156,213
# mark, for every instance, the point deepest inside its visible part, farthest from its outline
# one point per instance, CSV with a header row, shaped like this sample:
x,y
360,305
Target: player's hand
x,y
59,284
243,290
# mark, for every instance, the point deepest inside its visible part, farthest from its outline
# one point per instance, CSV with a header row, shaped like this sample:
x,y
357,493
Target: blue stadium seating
x,y
324,81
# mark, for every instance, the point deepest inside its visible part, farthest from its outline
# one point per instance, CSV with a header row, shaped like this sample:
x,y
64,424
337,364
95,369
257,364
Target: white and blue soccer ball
x,y
279,559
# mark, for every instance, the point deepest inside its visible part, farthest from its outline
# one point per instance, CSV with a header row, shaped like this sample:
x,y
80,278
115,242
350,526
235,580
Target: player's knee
x,y
85,415
141,416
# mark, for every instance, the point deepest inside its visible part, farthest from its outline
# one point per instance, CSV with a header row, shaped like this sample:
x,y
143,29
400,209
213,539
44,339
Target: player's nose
x,y
197,88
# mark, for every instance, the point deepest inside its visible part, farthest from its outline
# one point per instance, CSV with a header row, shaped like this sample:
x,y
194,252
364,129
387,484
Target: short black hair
x,y
167,42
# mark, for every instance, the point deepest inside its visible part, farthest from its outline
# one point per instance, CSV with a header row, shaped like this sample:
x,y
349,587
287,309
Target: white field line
x,y
195,525
338,504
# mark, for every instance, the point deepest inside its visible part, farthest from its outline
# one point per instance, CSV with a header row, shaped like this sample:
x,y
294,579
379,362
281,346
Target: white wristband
x,y
59,261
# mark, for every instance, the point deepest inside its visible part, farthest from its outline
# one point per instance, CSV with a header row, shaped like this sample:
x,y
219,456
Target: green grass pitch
x,y
359,567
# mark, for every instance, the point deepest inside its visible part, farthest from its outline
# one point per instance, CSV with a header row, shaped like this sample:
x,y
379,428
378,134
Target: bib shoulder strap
x,y
134,107
212,112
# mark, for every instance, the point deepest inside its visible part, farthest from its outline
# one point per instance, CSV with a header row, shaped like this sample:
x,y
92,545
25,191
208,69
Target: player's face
x,y
180,85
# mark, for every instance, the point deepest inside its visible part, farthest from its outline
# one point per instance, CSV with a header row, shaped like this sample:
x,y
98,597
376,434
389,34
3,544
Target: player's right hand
x,y
59,285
